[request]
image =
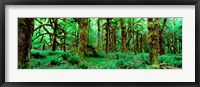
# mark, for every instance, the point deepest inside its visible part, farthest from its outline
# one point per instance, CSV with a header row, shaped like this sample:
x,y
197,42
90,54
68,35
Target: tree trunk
x,y
77,36
111,37
175,44
99,41
123,26
44,46
161,39
141,46
107,35
180,44
55,27
103,38
129,35
153,27
133,31
88,31
82,47
144,43
114,37
25,32
136,46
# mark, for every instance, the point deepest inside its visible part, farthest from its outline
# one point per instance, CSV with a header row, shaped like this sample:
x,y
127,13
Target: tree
x,y
99,37
55,27
82,47
114,33
99,26
153,27
25,32
108,34
123,27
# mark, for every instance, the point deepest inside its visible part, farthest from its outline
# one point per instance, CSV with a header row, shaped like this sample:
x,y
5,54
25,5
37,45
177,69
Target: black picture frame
x,y
98,2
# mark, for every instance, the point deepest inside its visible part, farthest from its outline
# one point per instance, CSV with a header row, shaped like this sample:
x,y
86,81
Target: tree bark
x,y
25,32
123,26
88,31
153,27
129,35
99,26
114,37
82,47
55,27
107,35
175,44
136,46
133,32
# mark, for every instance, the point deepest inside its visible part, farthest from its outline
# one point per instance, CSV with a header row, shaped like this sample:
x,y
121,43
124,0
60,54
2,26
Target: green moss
x,y
155,66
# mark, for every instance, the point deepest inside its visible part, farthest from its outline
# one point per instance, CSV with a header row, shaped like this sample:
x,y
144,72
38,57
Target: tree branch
x,y
41,26
39,36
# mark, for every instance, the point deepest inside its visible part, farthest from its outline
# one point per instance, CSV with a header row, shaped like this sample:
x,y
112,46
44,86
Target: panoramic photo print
x,y
100,43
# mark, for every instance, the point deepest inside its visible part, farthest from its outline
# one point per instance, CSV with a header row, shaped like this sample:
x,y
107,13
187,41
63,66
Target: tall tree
x,y
153,27
99,26
133,32
129,34
175,44
123,27
114,35
136,46
25,32
54,25
107,34
82,47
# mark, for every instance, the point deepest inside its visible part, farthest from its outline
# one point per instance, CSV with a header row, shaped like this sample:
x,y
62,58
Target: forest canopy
x,y
100,43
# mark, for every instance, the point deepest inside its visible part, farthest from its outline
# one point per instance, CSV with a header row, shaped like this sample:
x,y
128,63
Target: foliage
x,y
37,54
74,59
173,60
101,43
83,65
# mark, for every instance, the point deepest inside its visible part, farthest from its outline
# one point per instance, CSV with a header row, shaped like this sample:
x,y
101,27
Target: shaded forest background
x,y
99,43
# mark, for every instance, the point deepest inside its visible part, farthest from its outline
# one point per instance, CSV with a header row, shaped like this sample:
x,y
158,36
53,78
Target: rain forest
x,y
100,43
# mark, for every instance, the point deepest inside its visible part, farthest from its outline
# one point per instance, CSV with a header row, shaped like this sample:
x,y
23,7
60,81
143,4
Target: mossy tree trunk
x,y
99,26
88,31
136,46
82,47
114,36
25,32
129,35
123,27
107,34
133,32
175,44
54,25
153,27
144,43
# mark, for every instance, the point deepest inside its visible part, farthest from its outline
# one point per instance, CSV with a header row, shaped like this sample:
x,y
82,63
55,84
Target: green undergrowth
x,y
114,60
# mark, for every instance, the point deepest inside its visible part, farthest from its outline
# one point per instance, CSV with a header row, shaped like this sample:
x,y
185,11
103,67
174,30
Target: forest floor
x,y
115,60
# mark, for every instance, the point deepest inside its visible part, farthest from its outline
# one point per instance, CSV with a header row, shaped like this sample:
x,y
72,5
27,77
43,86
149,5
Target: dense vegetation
x,y
100,43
